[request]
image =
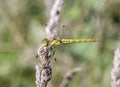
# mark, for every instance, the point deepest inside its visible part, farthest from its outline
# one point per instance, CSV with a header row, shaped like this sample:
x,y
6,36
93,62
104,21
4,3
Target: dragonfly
x,y
57,40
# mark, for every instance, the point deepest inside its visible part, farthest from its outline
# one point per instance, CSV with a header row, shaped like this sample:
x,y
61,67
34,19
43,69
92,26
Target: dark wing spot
x,y
58,12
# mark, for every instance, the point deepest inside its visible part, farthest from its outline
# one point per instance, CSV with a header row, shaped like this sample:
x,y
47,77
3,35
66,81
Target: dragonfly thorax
x,y
53,42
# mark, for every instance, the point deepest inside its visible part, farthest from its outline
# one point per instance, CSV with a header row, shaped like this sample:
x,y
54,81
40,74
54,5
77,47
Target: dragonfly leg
x,y
36,56
52,51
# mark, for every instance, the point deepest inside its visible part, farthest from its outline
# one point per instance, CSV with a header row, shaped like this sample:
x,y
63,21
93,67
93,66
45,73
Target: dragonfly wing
x,y
66,32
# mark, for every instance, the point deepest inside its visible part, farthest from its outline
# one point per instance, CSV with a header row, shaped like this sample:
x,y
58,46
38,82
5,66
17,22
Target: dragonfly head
x,y
45,42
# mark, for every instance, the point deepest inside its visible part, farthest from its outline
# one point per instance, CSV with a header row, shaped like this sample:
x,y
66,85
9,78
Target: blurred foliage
x,y
22,23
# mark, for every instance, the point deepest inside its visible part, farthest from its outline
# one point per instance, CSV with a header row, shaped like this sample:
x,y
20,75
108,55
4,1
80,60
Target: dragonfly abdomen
x,y
67,41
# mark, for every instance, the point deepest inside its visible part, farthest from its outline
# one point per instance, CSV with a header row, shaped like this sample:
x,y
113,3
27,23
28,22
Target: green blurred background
x,y
22,23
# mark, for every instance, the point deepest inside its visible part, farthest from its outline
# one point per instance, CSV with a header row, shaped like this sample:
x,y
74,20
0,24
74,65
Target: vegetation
x,y
22,23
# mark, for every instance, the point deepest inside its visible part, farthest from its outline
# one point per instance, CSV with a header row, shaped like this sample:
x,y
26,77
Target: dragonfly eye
x,y
45,42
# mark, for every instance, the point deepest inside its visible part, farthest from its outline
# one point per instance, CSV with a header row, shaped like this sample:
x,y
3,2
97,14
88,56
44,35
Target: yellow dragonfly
x,y
56,40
